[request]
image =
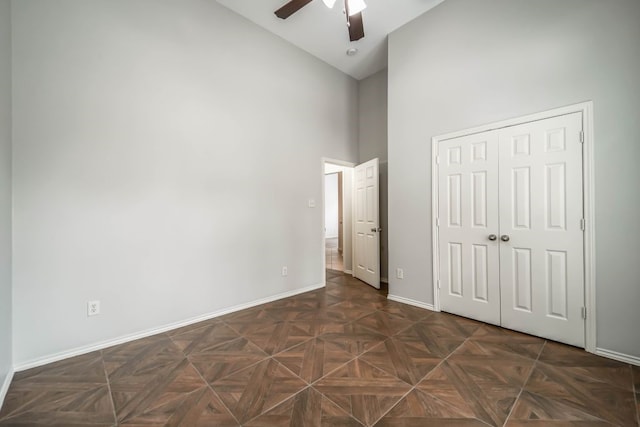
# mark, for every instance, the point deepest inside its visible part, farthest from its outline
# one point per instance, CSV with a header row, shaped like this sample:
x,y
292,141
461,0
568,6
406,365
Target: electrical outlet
x,y
285,270
399,273
93,308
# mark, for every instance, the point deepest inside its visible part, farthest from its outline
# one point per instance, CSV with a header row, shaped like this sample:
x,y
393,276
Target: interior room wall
x,y
164,157
372,143
6,363
471,62
331,205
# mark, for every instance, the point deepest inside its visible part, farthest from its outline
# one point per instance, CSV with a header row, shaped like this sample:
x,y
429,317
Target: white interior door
x,y
541,211
468,226
366,224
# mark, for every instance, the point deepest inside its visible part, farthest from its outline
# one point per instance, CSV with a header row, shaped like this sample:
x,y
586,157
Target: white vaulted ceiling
x,y
323,32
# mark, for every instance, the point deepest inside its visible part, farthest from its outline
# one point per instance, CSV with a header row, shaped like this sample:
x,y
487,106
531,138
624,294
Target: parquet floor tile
x,y
403,310
408,360
334,314
448,324
201,339
91,406
69,392
345,280
73,373
306,409
344,356
419,409
352,311
257,313
363,390
556,423
313,300
492,340
561,387
198,408
586,367
299,311
332,274
531,406
193,326
482,389
254,390
313,359
318,325
372,304
352,292
293,308
156,393
225,359
140,356
279,336
384,323
435,340
354,339
324,299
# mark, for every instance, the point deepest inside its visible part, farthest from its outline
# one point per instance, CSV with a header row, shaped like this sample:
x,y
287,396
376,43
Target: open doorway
x,y
338,183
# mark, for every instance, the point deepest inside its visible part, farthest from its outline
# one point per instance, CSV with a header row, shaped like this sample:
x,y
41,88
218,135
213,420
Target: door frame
x,y
586,108
336,162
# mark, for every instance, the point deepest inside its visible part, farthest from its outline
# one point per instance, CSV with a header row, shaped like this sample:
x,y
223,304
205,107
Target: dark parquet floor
x,y
339,356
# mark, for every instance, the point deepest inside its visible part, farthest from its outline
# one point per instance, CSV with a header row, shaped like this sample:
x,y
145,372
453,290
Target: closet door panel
x,y
541,208
468,214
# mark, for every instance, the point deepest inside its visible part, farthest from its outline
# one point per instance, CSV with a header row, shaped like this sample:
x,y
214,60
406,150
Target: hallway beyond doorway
x,y
334,259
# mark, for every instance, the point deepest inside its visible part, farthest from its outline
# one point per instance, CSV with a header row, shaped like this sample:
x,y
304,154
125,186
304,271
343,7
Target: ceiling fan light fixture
x,y
329,3
355,6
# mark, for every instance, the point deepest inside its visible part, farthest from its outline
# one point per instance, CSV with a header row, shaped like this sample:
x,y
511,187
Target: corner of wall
x,y
6,196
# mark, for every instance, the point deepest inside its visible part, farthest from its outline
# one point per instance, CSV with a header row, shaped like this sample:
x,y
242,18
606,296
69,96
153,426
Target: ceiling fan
x,y
352,9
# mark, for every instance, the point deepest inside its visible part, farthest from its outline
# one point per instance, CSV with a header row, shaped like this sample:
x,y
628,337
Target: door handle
x,y
504,238
375,230
492,237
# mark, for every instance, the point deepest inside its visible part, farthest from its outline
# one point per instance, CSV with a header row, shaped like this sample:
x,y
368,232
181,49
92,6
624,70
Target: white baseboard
x,y
149,332
621,357
5,386
410,302
348,272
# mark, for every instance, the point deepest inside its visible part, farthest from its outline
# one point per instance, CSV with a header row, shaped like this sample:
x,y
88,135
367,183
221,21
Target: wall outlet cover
x,y
93,308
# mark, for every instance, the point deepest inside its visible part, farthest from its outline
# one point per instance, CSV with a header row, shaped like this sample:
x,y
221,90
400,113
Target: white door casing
x,y
535,195
541,212
366,223
468,203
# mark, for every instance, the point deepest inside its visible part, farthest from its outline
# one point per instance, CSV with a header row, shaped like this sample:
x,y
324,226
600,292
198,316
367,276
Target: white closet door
x,y
541,209
468,216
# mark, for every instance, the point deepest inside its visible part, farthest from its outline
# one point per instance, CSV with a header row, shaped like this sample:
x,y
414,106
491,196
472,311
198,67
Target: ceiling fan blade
x,y
356,27
290,8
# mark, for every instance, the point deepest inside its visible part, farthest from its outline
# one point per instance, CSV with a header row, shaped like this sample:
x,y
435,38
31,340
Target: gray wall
x,y
5,191
372,117
164,155
372,140
471,62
